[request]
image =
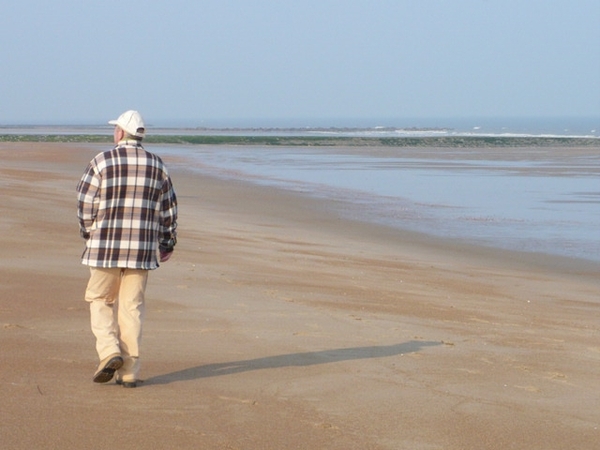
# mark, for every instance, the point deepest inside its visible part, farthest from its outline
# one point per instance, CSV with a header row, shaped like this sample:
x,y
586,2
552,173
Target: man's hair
x,y
129,136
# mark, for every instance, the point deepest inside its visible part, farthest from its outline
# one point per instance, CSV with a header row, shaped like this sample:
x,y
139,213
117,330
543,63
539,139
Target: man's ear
x,y
119,134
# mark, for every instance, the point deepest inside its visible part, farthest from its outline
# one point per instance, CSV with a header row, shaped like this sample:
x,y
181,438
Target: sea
x,y
543,200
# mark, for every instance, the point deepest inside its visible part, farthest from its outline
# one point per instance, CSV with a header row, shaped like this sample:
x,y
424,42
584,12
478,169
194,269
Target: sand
x,y
277,325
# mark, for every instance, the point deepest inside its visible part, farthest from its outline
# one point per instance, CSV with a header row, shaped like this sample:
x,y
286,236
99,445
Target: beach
x,y
279,324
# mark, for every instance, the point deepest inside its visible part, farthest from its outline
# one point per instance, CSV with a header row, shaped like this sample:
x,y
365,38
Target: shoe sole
x,y
128,384
108,371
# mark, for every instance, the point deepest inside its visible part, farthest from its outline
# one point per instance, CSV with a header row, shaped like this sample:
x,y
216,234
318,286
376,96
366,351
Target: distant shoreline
x,y
329,141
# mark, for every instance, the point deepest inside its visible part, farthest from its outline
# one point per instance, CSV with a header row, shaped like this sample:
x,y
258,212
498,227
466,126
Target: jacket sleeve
x,y
168,217
88,200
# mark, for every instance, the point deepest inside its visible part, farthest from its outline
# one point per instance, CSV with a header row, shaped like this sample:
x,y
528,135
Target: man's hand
x,y
164,257
165,249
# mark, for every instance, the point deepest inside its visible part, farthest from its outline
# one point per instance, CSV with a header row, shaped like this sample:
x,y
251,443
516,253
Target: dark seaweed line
x,y
329,141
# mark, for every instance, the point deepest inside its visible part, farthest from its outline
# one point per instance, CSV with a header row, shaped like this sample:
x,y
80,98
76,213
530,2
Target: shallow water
x,y
537,199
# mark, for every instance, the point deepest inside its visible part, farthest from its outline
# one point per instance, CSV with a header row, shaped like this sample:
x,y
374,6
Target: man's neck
x,y
129,141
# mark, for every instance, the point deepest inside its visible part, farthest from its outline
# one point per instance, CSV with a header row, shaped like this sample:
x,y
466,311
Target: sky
x,y
265,62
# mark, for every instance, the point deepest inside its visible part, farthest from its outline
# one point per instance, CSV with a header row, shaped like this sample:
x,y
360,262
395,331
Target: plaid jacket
x,y
126,207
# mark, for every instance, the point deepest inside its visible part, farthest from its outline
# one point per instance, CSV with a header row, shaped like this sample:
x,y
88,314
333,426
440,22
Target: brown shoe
x,y
107,368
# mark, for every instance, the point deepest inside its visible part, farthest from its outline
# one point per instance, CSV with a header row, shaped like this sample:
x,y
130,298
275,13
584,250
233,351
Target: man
x,y
127,212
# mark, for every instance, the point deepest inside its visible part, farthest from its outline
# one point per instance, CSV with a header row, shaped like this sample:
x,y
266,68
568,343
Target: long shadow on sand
x,y
291,360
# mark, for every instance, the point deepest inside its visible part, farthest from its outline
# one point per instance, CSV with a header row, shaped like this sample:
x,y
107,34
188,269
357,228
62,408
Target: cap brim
x,y
112,122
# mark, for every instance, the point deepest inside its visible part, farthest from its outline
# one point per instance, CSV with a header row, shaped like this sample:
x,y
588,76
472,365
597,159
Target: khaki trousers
x,y
116,298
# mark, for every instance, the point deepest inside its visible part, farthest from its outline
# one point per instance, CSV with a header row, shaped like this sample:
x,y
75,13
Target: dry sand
x,y
277,325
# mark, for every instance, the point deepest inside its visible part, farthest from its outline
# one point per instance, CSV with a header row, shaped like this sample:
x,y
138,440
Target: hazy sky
x,y
198,61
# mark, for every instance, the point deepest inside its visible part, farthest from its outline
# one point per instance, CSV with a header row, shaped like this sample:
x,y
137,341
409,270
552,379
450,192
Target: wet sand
x,y
279,325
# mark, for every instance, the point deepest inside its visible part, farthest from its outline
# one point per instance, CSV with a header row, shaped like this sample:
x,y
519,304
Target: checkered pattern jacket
x,y
127,207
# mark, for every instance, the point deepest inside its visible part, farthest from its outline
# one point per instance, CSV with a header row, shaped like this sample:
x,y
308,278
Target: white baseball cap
x,y
131,122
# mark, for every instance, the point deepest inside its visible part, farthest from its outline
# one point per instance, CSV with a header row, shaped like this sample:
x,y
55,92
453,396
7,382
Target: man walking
x,y
127,210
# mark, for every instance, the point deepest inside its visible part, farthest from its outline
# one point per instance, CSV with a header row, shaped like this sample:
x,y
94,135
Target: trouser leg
x,y
131,310
101,293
